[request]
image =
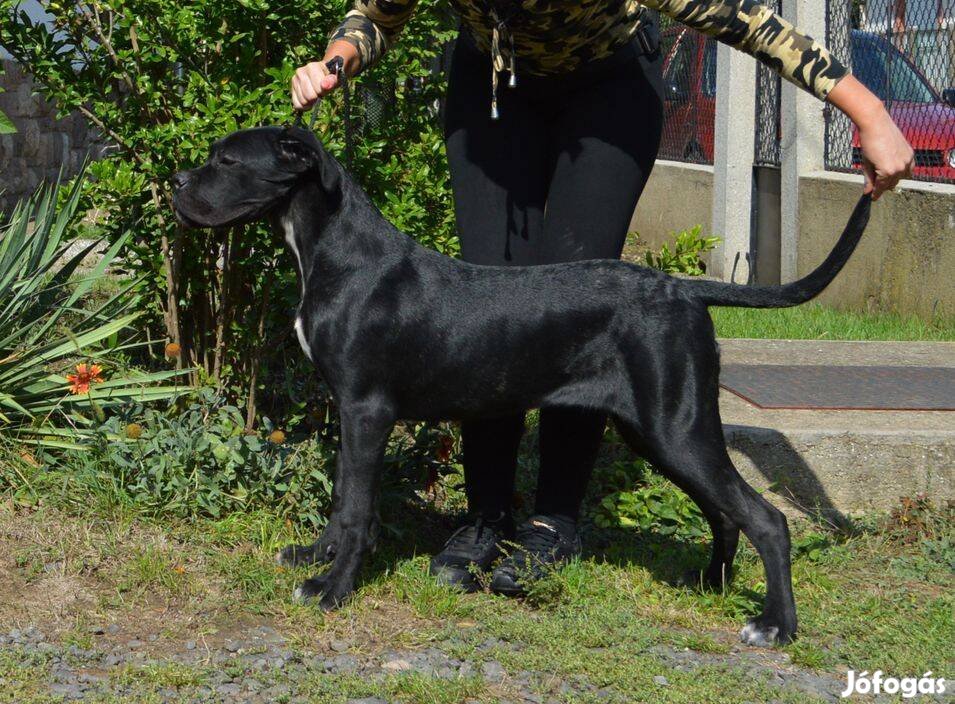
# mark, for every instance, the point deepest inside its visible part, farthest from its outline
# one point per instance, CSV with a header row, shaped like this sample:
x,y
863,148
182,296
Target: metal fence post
x,y
733,163
802,147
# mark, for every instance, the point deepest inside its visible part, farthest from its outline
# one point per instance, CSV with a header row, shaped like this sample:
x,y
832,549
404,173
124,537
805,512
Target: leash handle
x,y
336,65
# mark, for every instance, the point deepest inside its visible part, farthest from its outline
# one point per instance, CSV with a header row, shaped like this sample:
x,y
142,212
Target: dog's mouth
x,y
184,219
209,217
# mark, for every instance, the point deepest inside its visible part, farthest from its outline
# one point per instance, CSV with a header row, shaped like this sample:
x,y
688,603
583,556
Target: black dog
x,y
401,332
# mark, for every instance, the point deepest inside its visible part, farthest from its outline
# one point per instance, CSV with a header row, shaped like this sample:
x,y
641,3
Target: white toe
x,y
751,634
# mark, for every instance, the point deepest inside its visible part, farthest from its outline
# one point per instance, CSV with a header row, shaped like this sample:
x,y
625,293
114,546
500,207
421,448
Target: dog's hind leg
x,y
702,467
365,430
696,460
725,532
719,572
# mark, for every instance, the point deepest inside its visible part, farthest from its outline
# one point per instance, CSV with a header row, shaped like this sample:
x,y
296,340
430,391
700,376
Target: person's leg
x,y
603,145
499,175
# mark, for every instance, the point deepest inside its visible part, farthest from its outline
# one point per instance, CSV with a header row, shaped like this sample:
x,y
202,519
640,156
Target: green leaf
x,y
6,124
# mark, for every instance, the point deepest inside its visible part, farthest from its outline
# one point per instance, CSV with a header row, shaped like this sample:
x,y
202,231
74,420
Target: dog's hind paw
x,y
760,634
297,555
702,580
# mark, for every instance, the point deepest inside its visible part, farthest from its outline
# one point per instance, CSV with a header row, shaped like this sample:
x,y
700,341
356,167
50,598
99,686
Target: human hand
x,y
311,82
887,156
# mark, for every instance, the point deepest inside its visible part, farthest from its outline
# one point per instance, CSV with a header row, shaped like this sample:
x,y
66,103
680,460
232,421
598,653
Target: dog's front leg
x,y
325,548
365,430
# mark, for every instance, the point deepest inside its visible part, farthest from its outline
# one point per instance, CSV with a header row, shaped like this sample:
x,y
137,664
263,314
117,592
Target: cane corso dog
x,y
401,332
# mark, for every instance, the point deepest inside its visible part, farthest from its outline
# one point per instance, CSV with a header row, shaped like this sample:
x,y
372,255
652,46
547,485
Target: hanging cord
x,y
336,65
501,32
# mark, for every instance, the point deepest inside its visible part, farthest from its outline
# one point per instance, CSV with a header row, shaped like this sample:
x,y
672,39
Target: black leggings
x,y
555,179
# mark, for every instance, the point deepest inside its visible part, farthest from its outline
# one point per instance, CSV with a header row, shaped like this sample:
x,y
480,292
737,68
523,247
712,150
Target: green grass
x,y
816,322
876,597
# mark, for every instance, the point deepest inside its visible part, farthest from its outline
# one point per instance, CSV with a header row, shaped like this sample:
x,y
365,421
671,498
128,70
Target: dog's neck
x,y
333,234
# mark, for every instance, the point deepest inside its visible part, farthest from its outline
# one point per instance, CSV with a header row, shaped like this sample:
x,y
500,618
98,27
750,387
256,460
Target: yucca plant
x,y
46,332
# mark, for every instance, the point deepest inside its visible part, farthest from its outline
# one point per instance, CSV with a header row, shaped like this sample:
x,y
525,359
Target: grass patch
x,y
873,597
817,322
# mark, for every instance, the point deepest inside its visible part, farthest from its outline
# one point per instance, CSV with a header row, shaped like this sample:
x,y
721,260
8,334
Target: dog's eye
x,y
227,160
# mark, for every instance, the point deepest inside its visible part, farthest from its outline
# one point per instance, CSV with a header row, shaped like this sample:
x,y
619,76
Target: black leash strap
x,y
336,66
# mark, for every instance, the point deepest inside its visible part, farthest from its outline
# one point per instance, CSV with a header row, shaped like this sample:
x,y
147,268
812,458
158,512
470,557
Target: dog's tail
x,y
717,293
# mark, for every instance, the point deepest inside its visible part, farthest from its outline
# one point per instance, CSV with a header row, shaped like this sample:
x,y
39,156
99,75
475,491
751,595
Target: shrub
x,y
162,80
45,333
686,257
192,459
638,499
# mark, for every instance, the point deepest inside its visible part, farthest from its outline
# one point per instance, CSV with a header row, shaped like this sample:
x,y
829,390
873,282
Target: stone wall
x,y
905,260
42,145
677,196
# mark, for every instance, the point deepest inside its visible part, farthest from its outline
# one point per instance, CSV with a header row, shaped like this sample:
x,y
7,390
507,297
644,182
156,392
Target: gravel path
x,y
262,667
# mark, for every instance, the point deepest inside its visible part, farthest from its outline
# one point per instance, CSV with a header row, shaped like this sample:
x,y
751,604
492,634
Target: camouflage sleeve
x,y
372,26
757,30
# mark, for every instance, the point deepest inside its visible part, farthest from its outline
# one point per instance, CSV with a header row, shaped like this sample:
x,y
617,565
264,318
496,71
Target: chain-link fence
x,y
904,52
690,107
689,79
768,94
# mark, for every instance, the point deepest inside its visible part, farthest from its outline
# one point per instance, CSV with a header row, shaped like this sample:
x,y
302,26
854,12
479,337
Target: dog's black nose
x,y
179,180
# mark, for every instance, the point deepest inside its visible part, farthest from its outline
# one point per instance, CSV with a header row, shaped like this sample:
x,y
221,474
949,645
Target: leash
x,y
336,66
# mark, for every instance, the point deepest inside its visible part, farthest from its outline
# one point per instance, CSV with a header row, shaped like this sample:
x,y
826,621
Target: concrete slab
x,y
832,463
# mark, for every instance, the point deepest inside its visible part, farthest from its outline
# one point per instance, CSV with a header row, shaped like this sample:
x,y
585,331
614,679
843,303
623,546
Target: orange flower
x,y
134,431
86,375
276,437
173,350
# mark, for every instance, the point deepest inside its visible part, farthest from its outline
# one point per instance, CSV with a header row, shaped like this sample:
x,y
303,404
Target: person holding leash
x,y
548,168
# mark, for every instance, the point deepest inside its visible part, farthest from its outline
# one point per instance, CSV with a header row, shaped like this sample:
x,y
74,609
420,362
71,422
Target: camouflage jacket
x,y
548,36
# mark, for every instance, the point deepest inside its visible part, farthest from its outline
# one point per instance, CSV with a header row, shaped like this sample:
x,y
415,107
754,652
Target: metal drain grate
x,y
842,388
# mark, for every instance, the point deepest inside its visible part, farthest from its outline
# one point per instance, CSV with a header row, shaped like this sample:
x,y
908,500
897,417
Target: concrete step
x,y
833,463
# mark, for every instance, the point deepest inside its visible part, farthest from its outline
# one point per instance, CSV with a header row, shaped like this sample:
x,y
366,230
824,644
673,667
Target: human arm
x,y
757,30
887,156
363,37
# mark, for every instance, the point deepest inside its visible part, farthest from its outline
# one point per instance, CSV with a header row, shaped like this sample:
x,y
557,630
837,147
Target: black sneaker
x,y
471,549
543,542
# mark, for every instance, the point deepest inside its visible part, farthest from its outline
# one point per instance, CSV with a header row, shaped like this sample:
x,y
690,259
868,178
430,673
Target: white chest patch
x,y
290,240
300,334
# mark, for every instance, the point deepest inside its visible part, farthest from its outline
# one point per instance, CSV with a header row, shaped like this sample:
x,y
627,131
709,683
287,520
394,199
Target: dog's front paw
x,y
320,552
761,633
326,590
295,555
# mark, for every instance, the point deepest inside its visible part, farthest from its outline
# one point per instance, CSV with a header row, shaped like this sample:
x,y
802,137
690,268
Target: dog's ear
x,y
296,154
302,157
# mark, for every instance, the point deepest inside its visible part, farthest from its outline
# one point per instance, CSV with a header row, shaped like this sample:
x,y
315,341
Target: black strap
x,y
647,34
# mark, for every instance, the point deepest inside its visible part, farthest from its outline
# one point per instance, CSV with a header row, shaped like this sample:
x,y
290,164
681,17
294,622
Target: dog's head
x,y
249,173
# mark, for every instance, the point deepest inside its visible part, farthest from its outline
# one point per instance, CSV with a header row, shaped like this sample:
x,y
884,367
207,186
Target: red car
x,y
926,118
